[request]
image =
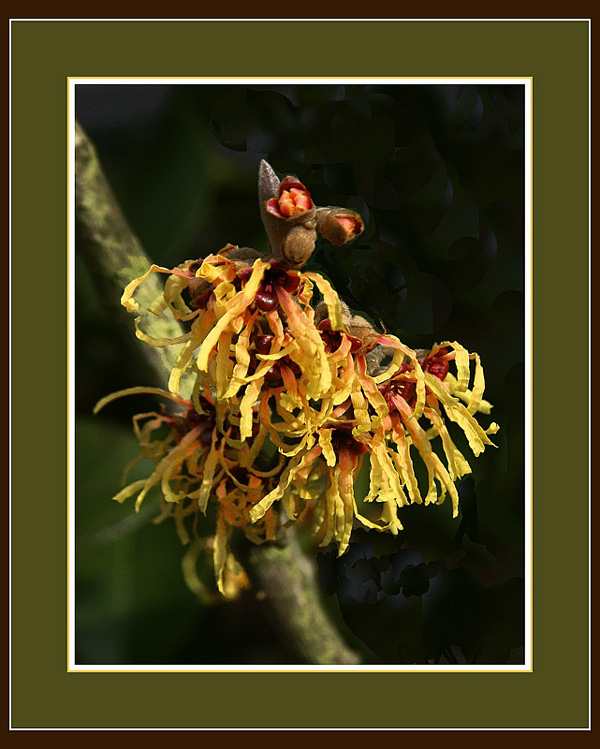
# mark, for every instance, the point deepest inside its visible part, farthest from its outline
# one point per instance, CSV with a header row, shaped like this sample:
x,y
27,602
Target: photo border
x,y
526,83
101,701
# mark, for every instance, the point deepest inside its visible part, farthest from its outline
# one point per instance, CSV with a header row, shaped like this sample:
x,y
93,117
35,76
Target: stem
x,y
283,573
289,579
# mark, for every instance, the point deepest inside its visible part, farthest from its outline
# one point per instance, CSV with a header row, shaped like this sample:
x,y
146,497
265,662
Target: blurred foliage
x,y
438,174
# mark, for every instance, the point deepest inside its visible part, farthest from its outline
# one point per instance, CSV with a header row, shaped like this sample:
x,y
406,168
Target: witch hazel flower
x,y
240,303
194,462
292,396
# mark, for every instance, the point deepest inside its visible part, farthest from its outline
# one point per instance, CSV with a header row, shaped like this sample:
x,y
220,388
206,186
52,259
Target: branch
x,y
114,255
289,579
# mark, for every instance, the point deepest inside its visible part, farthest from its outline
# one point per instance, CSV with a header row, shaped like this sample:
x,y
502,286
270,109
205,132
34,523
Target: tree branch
x,y
289,579
115,257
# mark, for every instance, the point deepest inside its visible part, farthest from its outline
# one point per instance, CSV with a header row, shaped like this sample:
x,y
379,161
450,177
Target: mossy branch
x,y
114,257
282,572
288,578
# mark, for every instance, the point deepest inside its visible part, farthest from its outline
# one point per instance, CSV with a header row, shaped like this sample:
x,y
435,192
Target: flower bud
x,y
288,215
293,199
339,225
359,328
299,245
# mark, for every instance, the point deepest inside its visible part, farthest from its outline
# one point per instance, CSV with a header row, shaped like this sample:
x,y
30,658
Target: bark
x,y
112,252
288,577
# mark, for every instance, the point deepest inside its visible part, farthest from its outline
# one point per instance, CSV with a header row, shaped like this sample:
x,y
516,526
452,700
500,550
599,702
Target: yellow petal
x,y
286,351
249,399
475,434
361,413
457,463
295,465
174,285
138,391
182,363
405,468
473,401
326,446
370,389
346,503
330,298
240,302
220,551
158,342
223,363
127,299
190,572
208,476
462,364
242,359
315,366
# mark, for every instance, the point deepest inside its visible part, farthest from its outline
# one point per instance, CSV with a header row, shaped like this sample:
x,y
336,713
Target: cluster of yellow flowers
x,y
292,393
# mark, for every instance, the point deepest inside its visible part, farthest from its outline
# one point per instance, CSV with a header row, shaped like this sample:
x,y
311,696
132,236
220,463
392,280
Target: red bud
x,y
293,199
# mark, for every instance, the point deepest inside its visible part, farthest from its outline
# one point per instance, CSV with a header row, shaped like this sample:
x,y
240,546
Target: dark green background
x,y
43,693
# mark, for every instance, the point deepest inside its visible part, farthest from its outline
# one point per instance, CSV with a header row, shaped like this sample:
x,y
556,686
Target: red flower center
x,y
435,364
262,343
406,389
205,421
274,376
342,439
276,276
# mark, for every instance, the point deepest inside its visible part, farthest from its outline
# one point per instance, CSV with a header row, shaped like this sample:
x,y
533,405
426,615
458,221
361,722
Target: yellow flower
x,y
255,343
386,415
420,387
278,362
317,486
252,331
194,462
